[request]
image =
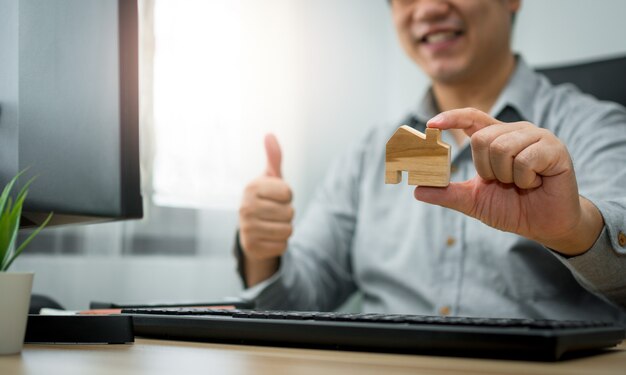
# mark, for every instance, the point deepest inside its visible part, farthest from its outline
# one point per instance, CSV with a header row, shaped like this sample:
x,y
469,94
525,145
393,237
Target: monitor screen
x,y
69,107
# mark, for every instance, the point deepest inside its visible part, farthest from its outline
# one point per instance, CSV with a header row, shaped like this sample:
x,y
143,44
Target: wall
x,y
9,34
325,70
558,31
317,77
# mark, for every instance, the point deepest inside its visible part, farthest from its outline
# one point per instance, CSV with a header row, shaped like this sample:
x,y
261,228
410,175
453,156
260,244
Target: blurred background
x,y
216,75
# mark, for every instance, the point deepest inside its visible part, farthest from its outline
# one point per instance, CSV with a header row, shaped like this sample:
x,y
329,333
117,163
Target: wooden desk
x,y
170,357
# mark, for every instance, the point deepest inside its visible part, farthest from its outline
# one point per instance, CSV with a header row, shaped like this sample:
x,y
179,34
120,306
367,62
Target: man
x,y
532,224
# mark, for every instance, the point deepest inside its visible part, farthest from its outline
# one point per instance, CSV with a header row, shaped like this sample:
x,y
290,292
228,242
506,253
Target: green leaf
x,y
27,241
14,216
5,225
10,214
7,190
6,234
24,189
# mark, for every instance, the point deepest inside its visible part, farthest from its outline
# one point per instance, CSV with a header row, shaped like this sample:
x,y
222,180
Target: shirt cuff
x,y
601,269
262,293
254,292
240,257
272,293
582,265
591,263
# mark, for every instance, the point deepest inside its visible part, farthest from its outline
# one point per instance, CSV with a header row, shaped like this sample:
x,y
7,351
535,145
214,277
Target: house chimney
x,y
433,135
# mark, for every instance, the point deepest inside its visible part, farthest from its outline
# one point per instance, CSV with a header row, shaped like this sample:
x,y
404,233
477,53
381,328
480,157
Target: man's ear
x,y
514,5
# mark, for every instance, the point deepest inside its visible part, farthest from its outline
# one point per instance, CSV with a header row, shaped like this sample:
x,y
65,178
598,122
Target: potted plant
x,y
15,287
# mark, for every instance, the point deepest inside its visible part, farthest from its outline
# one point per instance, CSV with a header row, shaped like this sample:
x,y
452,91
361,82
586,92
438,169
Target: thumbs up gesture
x,y
265,217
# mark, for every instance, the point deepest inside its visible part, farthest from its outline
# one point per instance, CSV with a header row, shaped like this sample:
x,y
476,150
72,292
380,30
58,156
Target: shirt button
x,y
444,310
450,241
621,239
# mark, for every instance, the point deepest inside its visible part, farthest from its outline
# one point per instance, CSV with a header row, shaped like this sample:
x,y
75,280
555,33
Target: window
x,y
197,103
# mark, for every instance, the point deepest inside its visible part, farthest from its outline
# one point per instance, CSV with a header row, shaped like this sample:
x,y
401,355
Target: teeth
x,y
440,37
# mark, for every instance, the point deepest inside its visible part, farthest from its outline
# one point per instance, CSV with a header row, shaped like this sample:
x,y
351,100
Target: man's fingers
x,y
270,210
517,153
470,120
537,160
273,189
274,156
504,149
482,142
262,230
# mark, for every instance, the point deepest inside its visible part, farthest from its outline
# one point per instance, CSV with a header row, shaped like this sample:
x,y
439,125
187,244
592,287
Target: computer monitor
x,y
69,107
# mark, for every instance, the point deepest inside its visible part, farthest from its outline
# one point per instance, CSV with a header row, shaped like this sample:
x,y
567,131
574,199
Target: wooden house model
x,y
425,157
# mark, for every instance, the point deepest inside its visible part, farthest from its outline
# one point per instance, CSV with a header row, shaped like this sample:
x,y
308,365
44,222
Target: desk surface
x,y
171,357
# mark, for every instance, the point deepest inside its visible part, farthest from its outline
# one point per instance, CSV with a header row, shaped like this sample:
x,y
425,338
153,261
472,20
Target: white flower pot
x,y
15,288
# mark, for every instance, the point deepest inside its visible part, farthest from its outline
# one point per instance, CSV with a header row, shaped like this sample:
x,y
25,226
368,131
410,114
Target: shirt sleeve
x,y
597,145
315,272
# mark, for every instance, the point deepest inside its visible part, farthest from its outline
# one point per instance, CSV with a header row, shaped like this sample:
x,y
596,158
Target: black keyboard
x,y
482,337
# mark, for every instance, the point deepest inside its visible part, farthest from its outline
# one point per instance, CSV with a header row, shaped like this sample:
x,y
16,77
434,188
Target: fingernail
x,y
437,118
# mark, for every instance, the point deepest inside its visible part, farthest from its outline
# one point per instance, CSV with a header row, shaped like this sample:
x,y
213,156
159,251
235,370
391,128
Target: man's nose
x,y
429,10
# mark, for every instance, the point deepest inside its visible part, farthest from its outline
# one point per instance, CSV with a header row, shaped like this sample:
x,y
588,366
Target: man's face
x,y
454,39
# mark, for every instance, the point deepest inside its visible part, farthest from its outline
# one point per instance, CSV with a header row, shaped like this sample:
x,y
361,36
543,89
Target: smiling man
x,y
532,224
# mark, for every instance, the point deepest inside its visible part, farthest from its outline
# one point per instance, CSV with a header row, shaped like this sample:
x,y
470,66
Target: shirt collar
x,y
427,108
517,95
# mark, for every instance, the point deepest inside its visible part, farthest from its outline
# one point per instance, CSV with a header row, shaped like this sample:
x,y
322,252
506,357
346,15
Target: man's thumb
x,y
457,196
274,156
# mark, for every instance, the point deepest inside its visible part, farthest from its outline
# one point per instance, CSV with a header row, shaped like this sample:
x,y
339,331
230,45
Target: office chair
x,y
604,79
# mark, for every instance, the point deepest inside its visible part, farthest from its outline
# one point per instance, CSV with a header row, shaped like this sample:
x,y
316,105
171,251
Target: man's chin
x,y
447,76
446,71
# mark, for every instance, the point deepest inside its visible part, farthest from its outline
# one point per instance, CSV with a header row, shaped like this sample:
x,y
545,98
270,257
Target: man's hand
x,y
265,218
525,183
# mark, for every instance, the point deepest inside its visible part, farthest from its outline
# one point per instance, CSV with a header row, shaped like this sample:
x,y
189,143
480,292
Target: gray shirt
x,y
406,256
